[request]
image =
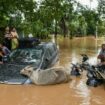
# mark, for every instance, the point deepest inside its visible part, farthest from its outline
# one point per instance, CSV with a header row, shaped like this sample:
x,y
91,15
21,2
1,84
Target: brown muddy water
x,y
76,92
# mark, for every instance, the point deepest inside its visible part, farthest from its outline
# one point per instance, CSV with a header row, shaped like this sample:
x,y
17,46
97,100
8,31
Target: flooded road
x,y
76,92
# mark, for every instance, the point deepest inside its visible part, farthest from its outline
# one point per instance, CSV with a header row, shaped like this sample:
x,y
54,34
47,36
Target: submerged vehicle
x,y
30,52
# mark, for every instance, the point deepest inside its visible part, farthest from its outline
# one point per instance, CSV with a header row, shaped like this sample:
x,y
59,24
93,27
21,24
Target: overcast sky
x,y
94,3
87,2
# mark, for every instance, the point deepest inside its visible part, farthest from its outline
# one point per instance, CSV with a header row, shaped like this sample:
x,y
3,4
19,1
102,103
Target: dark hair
x,y
103,45
3,43
12,29
1,50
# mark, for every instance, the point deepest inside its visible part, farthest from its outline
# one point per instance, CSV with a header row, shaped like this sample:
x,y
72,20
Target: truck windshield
x,y
26,55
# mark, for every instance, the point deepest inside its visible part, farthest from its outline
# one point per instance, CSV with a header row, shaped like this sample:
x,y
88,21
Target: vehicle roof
x,y
46,45
42,45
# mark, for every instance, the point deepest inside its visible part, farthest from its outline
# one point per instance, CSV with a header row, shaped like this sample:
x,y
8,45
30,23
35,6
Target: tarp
x,y
10,74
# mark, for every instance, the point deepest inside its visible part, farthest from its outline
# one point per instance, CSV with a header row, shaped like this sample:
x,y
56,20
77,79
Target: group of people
x,y
10,42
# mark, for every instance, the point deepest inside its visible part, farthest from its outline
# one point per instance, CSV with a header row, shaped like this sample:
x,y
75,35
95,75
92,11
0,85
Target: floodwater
x,y
76,92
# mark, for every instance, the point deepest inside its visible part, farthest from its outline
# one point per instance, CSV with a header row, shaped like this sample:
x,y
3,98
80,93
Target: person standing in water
x,y
101,56
7,38
14,38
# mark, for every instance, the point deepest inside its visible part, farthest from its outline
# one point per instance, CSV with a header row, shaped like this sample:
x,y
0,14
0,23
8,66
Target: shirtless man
x,y
101,56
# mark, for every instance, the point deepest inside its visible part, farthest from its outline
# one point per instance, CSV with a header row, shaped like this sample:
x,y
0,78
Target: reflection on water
x,y
76,92
81,90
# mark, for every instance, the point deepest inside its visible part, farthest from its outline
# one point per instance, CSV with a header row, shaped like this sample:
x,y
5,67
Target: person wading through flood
x,y
14,38
7,38
101,56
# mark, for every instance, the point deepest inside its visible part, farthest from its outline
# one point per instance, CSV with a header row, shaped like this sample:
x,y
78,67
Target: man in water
x,y
101,56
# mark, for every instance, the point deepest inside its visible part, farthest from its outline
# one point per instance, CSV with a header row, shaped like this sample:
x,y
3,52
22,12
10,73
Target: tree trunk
x,y
55,28
64,27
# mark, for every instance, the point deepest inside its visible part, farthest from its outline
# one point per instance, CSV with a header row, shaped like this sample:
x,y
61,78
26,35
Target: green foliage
x,y
67,17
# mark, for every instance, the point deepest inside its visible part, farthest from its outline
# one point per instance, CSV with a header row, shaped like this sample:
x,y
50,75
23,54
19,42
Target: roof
x,y
33,43
28,42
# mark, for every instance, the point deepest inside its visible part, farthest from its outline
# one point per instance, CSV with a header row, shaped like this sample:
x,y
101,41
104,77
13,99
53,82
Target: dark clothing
x,y
7,43
0,58
6,51
7,40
